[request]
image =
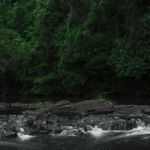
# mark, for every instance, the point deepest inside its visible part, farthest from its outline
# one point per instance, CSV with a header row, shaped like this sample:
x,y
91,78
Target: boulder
x,y
94,107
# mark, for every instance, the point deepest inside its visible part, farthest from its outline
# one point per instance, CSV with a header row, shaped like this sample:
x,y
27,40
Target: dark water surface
x,y
140,142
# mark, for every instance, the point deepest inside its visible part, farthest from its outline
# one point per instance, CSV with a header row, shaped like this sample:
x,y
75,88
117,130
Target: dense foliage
x,y
74,47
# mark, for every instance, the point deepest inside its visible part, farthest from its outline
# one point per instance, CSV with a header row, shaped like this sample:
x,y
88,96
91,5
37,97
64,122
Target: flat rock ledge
x,y
66,108
53,119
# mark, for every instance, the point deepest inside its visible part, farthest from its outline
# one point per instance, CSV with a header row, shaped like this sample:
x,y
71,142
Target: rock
x,y
60,106
15,108
146,111
65,115
61,103
66,108
94,107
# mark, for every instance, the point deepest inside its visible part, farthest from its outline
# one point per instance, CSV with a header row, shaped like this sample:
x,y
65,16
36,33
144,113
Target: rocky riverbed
x,y
66,118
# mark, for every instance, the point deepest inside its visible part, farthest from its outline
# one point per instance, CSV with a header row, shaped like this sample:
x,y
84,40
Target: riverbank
x,y
76,118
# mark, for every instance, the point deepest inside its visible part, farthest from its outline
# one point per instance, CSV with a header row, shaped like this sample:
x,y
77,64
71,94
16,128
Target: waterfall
x,y
121,124
129,127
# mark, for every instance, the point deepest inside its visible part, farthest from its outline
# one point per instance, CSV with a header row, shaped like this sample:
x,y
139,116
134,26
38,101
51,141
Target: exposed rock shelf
x,y
54,119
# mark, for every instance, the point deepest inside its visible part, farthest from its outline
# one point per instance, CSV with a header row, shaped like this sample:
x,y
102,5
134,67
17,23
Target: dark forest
x,y
83,48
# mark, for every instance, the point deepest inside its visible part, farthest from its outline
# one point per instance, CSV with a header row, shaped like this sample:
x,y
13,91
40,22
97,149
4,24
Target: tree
x,y
14,55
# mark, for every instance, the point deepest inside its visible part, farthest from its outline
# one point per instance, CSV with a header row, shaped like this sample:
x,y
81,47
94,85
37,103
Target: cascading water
x,y
22,136
105,134
97,129
120,124
118,128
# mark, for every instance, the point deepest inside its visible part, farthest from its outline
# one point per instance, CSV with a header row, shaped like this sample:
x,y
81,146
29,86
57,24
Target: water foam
x,y
68,131
97,132
22,136
141,130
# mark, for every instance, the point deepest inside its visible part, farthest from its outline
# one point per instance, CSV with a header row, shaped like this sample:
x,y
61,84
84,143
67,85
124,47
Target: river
x,y
121,127
95,139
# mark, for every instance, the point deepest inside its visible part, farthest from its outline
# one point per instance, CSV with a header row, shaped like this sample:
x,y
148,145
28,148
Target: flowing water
x,y
94,138
115,134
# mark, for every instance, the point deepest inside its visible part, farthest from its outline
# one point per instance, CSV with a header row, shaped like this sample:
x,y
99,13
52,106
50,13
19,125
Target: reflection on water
x,y
76,143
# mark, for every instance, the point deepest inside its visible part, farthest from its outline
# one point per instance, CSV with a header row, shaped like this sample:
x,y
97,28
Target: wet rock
x,y
54,119
146,111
